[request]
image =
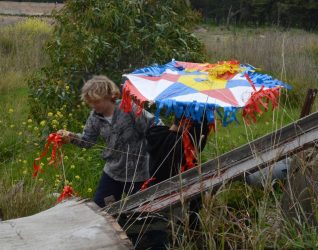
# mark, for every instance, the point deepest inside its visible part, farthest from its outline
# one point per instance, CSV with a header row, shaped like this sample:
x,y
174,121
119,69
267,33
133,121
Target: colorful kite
x,y
194,89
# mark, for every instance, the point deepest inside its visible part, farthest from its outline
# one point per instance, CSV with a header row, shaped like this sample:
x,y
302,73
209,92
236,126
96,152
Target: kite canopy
x,y
197,89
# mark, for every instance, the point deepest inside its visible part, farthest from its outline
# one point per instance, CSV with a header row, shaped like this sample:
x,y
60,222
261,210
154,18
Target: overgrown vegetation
x,y
109,37
237,216
21,46
21,141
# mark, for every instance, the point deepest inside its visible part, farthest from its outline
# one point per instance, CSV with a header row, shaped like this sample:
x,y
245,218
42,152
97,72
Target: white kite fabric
x,y
193,90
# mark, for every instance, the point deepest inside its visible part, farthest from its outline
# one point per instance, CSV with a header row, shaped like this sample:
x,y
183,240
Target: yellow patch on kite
x,y
208,83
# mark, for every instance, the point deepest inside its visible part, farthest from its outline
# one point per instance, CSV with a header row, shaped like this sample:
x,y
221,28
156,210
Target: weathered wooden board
x,y
69,225
251,154
230,173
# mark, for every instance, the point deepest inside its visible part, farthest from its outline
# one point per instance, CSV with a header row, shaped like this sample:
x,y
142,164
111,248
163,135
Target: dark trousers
x,y
109,187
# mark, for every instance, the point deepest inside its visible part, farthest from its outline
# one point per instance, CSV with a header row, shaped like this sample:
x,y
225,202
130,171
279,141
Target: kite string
x,y
104,147
67,190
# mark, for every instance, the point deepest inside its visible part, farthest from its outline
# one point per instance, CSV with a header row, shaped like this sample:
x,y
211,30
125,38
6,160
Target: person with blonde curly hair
x,y
126,166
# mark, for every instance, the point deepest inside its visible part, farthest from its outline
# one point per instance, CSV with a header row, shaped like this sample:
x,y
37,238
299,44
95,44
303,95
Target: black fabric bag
x,y
165,148
166,152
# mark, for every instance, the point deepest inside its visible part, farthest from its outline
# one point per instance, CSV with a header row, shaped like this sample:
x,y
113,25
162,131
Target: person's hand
x,y
66,135
174,128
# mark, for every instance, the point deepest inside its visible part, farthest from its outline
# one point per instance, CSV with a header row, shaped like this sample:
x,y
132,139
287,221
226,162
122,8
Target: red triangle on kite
x,y
166,76
224,95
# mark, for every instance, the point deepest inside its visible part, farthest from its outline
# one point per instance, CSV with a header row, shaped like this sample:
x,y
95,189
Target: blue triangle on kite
x,y
174,90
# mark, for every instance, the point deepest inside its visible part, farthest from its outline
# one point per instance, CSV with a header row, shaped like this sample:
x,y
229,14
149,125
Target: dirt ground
x,y
12,12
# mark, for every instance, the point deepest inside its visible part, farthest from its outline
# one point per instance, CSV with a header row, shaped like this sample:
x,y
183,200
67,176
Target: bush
x,y
109,37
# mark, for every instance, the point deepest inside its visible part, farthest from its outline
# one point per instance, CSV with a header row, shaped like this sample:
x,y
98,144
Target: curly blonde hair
x,y
99,87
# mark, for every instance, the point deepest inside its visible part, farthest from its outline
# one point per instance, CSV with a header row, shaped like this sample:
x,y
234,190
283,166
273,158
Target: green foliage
x,y
109,37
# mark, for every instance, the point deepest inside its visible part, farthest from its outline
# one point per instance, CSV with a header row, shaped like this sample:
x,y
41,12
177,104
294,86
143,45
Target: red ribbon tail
x,y
36,168
139,108
53,154
250,81
66,193
145,185
44,153
188,148
56,140
260,98
126,101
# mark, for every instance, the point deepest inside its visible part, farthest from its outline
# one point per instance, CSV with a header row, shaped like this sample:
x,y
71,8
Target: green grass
x,y
22,139
236,134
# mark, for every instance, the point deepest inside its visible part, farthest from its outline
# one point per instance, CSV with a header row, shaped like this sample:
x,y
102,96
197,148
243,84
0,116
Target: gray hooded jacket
x,y
125,154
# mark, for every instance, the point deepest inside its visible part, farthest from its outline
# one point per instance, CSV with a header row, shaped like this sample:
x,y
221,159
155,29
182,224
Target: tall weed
x,y
21,46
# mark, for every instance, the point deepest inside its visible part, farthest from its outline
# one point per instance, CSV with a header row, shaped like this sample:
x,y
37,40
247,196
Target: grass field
x,y
291,56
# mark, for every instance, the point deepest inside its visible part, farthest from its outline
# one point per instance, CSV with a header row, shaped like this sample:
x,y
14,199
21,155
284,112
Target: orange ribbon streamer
x,y
56,140
260,98
188,148
189,153
66,193
127,100
250,81
257,99
145,185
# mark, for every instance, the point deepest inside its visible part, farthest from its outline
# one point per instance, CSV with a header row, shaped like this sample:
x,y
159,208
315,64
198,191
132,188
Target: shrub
x,y
109,37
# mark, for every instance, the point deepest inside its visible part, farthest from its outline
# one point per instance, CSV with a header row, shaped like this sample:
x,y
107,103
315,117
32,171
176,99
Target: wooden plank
x,y
69,225
226,161
251,165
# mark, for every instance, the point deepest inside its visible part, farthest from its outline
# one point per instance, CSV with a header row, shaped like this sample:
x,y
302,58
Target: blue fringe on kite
x,y
195,111
263,79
